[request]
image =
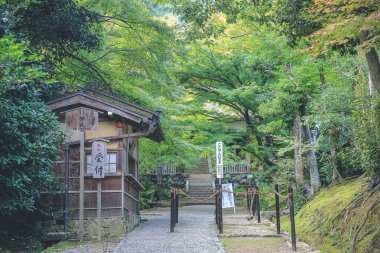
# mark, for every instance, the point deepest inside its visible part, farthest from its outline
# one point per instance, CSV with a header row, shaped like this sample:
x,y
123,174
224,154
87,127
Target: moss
x,y
245,244
325,223
63,245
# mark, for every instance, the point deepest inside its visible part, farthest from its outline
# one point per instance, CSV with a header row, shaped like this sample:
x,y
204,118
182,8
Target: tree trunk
x,y
251,127
372,60
372,89
298,167
315,182
248,155
333,156
334,165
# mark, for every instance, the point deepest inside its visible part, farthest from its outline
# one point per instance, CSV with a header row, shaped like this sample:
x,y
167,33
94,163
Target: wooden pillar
x,y
277,209
81,185
67,164
99,209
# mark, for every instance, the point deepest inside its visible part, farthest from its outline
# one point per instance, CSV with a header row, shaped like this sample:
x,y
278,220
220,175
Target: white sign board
x,y
228,197
219,159
99,158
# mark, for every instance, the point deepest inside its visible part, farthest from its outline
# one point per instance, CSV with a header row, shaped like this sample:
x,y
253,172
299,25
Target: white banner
x,y
228,197
99,158
219,159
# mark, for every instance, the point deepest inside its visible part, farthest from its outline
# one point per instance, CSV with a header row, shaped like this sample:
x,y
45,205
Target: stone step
x,y
195,176
197,200
200,171
200,194
201,188
201,185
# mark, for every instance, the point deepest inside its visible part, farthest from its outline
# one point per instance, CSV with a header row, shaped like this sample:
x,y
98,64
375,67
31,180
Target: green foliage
x,y
367,134
30,133
57,26
331,219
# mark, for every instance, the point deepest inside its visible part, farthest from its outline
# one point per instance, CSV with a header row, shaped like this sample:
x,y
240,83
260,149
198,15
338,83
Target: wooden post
x,y
172,207
254,209
249,198
258,205
67,164
81,183
277,209
220,212
216,206
99,209
176,203
292,222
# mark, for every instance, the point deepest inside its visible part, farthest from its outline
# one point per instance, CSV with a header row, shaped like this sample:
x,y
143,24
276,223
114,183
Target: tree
x,y
30,133
235,81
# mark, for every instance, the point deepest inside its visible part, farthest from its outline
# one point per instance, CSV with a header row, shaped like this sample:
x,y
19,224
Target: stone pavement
x,y
194,232
242,236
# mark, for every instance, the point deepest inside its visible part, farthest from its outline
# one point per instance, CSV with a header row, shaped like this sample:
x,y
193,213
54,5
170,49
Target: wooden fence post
x,y
258,204
292,222
249,198
176,185
277,209
172,207
217,206
220,212
254,208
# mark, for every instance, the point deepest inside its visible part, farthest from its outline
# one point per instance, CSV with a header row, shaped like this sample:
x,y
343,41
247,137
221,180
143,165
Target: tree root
x,y
361,226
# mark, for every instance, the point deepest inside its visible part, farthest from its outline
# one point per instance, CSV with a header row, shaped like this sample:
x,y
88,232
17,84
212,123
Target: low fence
x,y
172,170
253,204
235,169
165,170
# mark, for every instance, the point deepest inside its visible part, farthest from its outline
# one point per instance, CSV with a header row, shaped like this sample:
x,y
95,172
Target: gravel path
x,y
193,233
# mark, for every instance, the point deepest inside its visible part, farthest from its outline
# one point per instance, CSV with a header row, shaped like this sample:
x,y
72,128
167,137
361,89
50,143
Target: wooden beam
x,y
115,137
129,195
134,181
92,102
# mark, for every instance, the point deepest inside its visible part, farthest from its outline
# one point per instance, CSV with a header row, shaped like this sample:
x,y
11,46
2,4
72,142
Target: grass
x,y
63,245
331,219
253,244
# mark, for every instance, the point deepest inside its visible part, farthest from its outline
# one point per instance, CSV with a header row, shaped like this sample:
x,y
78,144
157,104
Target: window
x,y
111,163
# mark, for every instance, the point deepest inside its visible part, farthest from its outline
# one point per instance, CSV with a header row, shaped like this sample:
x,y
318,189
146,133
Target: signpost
x,y
99,163
219,174
219,160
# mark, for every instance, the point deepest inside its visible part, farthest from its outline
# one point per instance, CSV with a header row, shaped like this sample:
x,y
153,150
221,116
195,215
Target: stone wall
x,y
112,226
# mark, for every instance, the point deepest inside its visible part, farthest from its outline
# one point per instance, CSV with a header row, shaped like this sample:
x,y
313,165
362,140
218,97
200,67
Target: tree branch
x,y
288,70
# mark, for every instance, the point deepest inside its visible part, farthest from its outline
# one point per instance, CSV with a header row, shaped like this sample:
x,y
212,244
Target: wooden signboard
x,y
81,119
219,159
99,158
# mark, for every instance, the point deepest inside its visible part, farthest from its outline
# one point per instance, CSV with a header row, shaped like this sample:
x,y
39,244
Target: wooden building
x,y
90,115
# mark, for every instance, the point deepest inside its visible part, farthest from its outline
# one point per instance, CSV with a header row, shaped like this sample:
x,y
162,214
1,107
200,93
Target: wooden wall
x,y
119,193
111,190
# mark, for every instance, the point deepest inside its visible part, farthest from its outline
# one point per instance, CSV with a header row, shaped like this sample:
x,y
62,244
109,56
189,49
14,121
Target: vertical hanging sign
x,y
219,159
99,158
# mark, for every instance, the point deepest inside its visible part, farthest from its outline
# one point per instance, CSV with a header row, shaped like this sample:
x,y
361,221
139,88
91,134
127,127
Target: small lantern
x,y
119,124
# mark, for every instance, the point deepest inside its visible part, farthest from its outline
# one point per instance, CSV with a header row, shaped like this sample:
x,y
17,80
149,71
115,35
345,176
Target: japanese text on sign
x,y
228,196
219,159
99,158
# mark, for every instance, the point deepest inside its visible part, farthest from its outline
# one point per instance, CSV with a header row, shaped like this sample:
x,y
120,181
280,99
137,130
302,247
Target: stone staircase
x,y
202,168
200,185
